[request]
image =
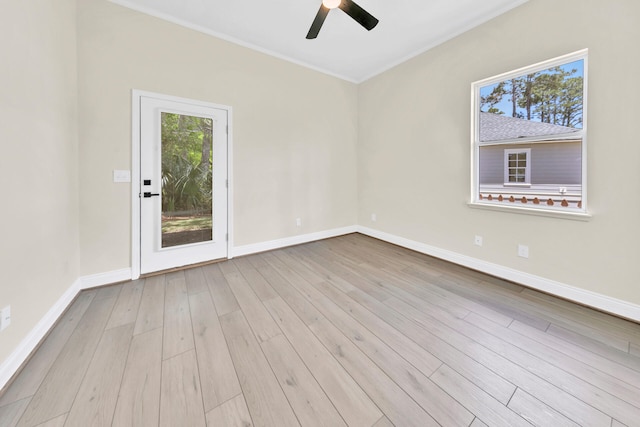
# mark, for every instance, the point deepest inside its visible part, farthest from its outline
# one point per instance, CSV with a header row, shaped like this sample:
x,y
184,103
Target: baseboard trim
x,y
108,278
20,355
592,299
16,359
290,241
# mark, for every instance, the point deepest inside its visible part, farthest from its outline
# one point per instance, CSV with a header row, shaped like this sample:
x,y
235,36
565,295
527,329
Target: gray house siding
x,y
492,164
557,163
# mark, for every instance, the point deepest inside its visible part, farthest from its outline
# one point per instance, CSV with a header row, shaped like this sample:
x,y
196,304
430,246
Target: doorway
x,y
182,183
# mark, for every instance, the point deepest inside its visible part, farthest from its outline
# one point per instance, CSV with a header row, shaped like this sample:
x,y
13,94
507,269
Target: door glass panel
x,y
187,164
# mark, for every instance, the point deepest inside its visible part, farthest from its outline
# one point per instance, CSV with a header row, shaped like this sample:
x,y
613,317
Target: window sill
x,y
575,216
517,185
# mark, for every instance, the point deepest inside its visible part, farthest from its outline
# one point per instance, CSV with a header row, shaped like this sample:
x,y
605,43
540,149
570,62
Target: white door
x,y
183,183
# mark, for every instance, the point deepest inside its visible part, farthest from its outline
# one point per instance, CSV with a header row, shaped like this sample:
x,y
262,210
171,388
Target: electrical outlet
x,y
5,318
298,222
523,251
374,217
478,241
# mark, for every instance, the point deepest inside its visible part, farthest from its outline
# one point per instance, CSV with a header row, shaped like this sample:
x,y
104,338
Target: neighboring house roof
x,y
497,127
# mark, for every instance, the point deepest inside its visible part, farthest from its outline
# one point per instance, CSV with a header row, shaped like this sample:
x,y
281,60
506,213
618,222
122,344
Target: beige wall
x,y
295,130
38,164
414,146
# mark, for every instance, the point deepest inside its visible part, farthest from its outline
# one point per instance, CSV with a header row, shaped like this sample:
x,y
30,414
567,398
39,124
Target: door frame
x,y
136,96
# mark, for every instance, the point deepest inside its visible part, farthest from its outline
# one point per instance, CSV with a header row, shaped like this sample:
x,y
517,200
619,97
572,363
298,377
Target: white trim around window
x,y
517,167
491,188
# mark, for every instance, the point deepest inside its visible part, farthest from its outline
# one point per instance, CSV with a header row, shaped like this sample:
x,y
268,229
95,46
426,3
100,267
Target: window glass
x,y
529,137
516,170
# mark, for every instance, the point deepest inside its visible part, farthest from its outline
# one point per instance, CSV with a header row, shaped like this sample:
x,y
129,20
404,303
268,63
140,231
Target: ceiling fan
x,y
360,15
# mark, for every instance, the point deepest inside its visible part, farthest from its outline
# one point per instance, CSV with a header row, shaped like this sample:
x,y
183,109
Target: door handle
x,y
148,194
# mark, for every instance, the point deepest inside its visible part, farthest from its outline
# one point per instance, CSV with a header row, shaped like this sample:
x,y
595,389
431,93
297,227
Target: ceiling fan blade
x,y
317,22
360,15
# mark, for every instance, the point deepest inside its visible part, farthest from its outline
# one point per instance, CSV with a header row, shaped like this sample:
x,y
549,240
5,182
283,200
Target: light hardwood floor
x,y
346,331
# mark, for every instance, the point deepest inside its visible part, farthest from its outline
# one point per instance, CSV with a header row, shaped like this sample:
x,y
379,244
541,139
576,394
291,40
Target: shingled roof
x,y
496,127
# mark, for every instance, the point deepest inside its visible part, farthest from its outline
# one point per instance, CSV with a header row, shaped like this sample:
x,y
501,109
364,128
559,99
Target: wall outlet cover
x,y
523,251
5,317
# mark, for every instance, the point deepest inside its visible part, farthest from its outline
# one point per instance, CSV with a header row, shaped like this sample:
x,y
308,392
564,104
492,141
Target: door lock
x,y
148,194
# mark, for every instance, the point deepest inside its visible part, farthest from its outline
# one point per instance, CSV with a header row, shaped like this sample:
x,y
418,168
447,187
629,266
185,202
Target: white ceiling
x,y
343,48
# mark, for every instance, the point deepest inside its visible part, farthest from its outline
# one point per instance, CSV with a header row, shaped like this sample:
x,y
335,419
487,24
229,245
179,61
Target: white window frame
x,y
527,170
475,200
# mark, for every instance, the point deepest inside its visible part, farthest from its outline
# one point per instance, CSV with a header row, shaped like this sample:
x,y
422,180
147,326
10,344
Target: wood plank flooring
x,y
348,331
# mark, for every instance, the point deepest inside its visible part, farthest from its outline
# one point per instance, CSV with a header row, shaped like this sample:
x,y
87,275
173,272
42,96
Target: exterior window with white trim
x,y
529,138
517,166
